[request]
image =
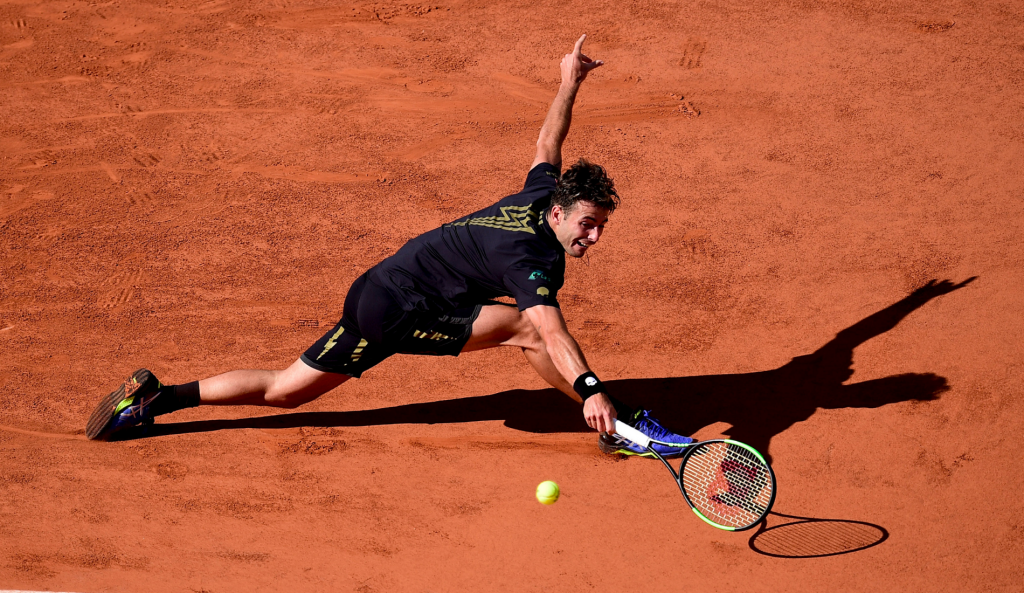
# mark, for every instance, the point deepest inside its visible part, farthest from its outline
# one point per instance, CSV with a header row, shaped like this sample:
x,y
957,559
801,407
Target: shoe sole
x,y
103,416
635,454
628,452
609,449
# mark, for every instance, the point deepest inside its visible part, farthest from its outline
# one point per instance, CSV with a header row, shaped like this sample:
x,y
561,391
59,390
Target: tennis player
x,y
434,296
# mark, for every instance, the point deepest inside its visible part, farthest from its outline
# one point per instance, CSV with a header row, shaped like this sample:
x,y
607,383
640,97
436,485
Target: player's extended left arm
x,y
565,353
575,66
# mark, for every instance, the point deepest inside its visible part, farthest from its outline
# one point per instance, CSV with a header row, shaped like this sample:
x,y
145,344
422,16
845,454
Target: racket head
x,y
728,484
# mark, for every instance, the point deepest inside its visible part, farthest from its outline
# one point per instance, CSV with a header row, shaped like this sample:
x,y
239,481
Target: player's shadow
x,y
757,405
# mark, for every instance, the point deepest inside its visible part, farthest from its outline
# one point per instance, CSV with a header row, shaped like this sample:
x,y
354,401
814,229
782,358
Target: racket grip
x,y
627,431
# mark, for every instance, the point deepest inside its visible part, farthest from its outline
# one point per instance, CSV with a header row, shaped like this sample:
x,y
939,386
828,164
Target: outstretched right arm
x,y
575,67
568,359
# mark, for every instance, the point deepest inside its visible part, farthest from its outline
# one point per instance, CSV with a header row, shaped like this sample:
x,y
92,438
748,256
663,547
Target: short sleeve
x,y
533,284
543,176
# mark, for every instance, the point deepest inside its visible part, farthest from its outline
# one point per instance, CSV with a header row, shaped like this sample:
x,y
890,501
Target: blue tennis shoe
x,y
614,444
129,405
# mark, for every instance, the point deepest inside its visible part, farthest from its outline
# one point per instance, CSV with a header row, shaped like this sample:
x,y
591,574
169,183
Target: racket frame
x,y
626,431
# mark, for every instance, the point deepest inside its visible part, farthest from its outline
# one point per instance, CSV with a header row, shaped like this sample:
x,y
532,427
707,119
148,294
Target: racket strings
x,y
727,483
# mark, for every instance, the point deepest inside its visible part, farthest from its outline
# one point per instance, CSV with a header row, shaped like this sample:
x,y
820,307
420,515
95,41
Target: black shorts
x,y
373,327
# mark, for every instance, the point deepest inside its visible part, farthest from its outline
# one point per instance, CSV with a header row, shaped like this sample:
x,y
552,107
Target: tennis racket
x,y
728,484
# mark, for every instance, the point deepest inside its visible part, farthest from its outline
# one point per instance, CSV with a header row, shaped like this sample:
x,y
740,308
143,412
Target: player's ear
x,y
557,213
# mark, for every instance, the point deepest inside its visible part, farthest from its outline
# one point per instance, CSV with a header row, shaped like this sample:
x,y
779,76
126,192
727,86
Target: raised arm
x,y
575,67
565,353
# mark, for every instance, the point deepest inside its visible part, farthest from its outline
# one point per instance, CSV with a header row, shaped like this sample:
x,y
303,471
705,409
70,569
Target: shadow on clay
x,y
757,405
806,537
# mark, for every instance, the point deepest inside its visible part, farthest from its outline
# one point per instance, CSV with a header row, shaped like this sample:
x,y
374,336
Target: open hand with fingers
x,y
575,66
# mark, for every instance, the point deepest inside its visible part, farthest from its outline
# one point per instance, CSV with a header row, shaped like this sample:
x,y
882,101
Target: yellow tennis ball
x,y
547,492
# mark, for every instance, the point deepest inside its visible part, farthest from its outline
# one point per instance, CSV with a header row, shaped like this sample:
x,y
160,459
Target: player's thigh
x,y
501,325
301,381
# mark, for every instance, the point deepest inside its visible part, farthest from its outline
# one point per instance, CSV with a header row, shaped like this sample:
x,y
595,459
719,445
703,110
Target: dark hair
x,y
585,182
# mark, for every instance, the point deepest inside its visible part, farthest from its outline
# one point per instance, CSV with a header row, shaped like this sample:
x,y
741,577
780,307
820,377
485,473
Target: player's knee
x,y
281,399
286,400
280,394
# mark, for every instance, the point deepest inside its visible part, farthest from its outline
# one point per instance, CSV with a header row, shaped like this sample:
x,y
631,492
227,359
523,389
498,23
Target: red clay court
x,y
192,188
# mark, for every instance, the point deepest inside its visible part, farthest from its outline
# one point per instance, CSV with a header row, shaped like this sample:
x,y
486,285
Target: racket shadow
x,y
807,537
757,405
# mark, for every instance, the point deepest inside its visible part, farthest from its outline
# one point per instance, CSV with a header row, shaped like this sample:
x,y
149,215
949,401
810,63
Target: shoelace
x,y
653,429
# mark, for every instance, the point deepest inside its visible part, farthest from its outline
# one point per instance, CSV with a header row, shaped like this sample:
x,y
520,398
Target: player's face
x,y
578,229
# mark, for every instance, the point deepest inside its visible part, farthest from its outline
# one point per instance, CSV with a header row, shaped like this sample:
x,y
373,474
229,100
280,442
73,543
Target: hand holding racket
x,y
728,484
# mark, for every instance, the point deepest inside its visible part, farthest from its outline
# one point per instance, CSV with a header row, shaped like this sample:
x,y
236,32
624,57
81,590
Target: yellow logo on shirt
x,y
513,218
543,291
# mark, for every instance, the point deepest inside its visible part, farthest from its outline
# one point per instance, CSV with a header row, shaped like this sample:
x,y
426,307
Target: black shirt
x,y
506,249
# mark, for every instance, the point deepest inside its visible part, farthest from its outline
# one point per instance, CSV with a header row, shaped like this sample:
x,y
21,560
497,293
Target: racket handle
x,y
627,431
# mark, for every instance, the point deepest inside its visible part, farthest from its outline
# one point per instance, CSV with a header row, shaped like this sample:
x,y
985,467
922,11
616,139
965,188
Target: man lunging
x,y
434,296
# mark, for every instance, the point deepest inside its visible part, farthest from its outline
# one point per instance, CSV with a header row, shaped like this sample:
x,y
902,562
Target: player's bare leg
x,y
142,397
289,388
498,325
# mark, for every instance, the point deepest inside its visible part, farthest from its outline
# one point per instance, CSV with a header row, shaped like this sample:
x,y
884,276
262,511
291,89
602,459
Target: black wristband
x,y
587,385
